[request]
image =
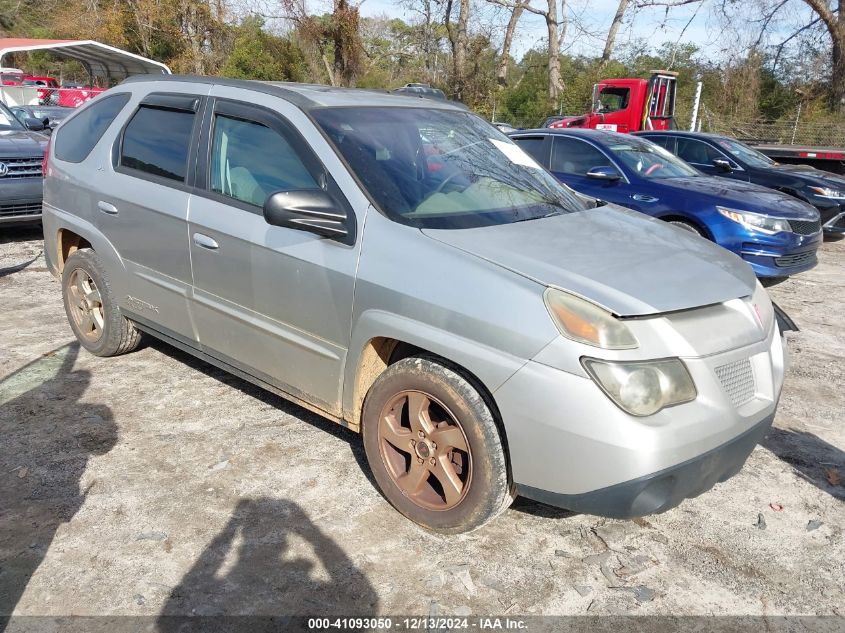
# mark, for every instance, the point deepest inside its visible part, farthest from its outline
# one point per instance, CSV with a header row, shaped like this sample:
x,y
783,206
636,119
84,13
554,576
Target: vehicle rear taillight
x,y
46,158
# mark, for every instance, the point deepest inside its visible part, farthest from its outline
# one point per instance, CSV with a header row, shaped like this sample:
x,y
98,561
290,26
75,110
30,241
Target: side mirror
x,y
604,173
311,210
722,165
36,125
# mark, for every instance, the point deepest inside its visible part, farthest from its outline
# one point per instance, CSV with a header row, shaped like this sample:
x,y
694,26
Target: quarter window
x,y
157,141
666,142
78,135
250,161
571,156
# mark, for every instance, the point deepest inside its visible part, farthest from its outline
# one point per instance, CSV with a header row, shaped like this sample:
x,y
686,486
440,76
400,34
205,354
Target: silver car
x,y
401,267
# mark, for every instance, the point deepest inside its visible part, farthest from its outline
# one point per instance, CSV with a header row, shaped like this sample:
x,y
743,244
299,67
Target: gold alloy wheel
x,y
86,305
425,450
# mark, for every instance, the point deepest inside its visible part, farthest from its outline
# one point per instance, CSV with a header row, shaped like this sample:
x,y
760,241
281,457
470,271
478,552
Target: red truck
x,y
45,87
630,105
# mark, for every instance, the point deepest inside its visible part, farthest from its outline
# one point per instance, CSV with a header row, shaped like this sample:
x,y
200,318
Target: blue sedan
x,y
778,235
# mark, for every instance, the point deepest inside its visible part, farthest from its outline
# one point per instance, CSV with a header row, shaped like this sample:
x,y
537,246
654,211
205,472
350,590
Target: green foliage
x,y
258,55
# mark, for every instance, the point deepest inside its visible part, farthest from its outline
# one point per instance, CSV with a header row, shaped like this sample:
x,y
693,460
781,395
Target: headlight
x,y
756,221
642,388
585,322
827,192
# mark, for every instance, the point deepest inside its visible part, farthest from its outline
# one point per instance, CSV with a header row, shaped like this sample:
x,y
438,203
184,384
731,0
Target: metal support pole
x,y
696,105
797,118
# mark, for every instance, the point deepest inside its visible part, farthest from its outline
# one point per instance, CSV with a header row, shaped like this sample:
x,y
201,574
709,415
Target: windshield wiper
x,y
538,217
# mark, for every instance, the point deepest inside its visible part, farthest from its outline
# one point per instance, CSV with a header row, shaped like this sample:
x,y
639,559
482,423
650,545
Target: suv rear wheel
x,y
91,307
433,446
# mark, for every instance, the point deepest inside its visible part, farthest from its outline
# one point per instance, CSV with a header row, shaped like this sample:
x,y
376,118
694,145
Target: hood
x,y
812,175
744,196
21,143
622,260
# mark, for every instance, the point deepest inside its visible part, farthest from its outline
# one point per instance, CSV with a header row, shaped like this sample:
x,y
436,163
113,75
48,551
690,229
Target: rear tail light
x,y
46,159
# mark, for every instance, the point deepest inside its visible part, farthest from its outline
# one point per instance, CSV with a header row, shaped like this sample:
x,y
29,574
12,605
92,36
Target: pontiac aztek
x,y
401,267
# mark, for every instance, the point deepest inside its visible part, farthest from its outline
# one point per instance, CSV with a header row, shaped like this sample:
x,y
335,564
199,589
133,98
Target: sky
x,y
689,23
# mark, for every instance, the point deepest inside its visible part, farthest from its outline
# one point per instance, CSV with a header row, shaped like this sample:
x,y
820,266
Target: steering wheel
x,y
653,168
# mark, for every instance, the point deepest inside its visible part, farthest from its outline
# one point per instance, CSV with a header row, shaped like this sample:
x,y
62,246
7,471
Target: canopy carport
x,y
101,61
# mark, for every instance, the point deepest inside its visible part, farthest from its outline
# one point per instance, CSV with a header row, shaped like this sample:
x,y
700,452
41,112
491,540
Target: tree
x,y
612,31
459,42
834,22
258,55
336,35
505,57
550,15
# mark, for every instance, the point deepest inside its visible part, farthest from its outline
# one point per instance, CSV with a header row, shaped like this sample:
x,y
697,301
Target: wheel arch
x,y
680,217
67,242
380,352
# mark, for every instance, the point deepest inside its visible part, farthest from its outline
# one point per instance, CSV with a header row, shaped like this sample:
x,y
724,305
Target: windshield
x,y
434,168
648,160
8,120
745,154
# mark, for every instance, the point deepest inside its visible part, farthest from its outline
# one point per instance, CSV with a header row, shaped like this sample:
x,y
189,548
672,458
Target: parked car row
x,y
401,267
776,233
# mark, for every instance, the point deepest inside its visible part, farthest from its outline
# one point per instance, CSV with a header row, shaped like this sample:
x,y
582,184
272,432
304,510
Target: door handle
x,y
105,207
642,197
203,241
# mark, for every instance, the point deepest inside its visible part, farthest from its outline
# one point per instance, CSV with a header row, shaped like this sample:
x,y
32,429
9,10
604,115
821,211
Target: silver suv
x,y
400,266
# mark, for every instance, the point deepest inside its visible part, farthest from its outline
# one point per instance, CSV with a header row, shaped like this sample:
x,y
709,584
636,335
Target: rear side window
x,y
156,141
78,136
533,146
571,156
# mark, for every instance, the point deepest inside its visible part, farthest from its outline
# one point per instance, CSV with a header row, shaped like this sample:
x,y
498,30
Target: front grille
x,y
803,227
737,380
21,167
29,208
799,259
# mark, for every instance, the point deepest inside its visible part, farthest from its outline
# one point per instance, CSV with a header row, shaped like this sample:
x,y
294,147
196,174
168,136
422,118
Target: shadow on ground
x,y
21,233
257,566
815,460
48,435
521,504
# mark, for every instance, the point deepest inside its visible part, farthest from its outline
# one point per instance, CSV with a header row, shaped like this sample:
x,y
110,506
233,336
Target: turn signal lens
x,y
585,322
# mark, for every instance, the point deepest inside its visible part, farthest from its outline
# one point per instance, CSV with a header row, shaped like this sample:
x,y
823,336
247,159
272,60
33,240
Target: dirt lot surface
x,y
155,484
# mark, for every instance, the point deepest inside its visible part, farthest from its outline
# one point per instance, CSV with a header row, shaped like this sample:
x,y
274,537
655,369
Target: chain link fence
x,y
796,132
784,132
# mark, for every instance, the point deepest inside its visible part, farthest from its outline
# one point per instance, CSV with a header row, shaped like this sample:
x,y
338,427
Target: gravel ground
x,y
155,484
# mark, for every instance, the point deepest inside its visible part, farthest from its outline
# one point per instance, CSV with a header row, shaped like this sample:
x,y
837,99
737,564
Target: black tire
x,y
687,226
112,334
487,491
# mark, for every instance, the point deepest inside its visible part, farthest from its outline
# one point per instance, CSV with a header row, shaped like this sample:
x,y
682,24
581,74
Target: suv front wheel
x,y
434,448
91,307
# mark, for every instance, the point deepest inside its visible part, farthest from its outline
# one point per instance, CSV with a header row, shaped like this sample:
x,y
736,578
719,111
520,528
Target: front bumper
x,y
663,490
569,445
20,200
